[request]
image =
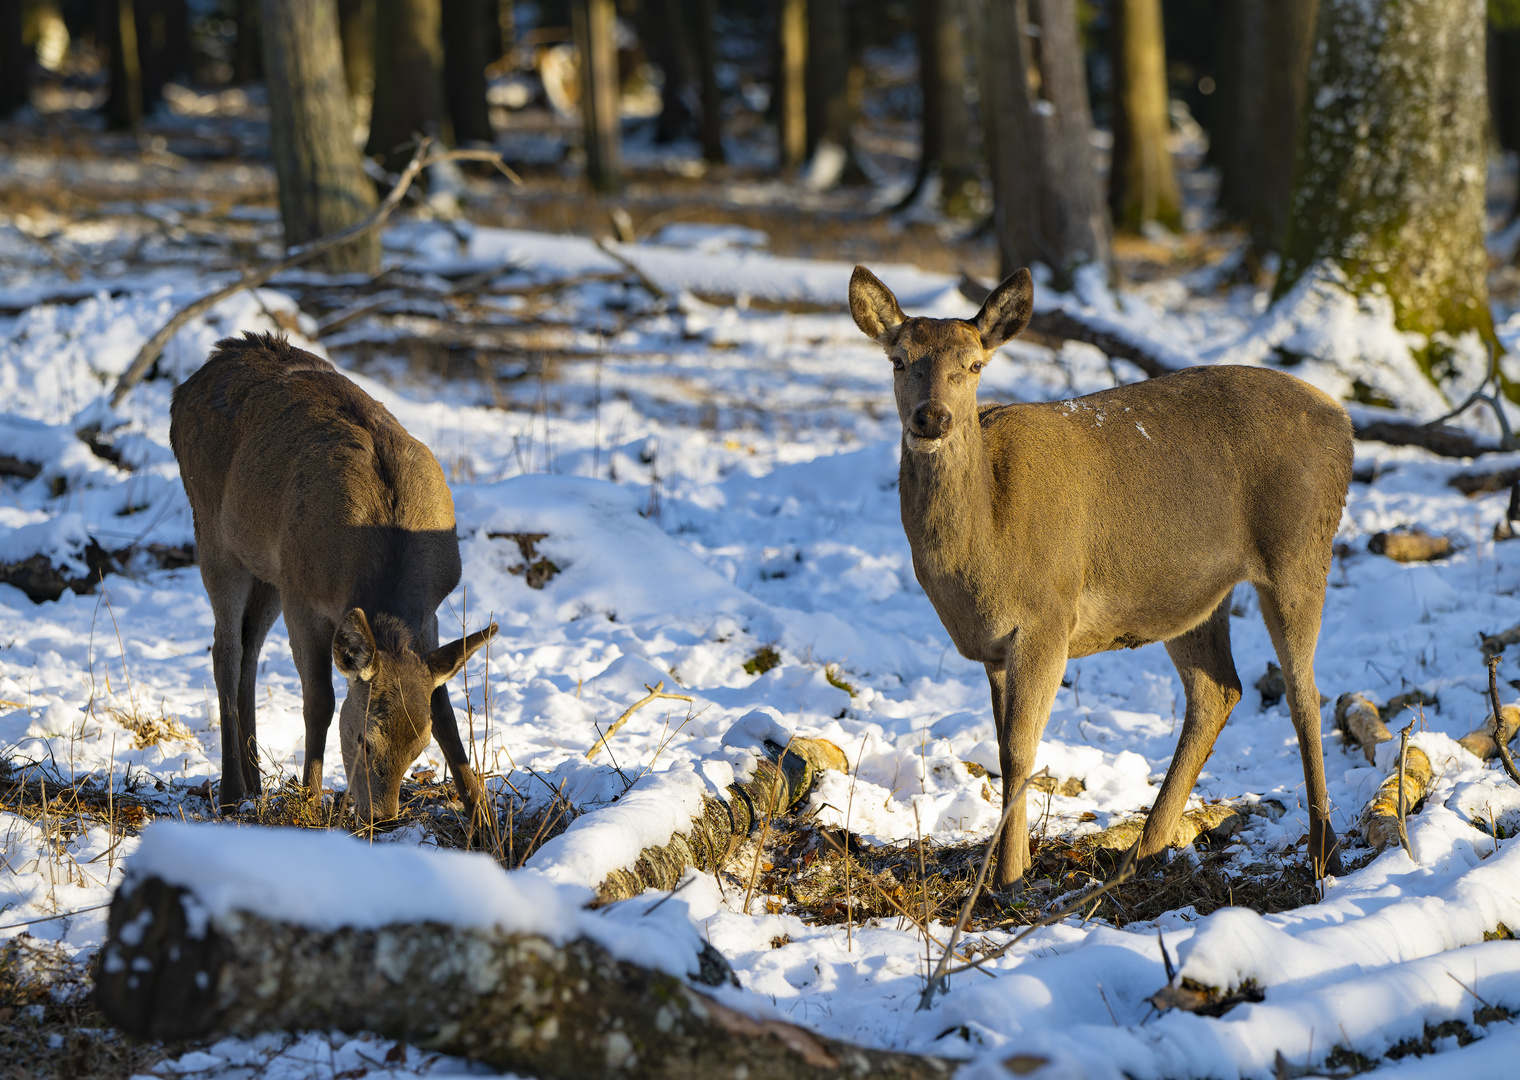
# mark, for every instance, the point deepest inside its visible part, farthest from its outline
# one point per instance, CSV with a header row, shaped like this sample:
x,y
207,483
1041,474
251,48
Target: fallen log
x,y
777,784
1413,546
174,966
1358,718
1217,821
1481,741
1381,824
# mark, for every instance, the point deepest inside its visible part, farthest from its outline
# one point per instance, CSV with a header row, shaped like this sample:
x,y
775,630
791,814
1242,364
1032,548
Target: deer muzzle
x,y
931,421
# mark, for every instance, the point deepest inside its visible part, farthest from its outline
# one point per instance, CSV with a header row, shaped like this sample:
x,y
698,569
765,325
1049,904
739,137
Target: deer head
x,y
937,363
386,719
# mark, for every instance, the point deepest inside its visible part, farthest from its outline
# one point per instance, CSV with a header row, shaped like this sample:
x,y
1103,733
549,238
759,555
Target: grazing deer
x,y
309,496
1052,530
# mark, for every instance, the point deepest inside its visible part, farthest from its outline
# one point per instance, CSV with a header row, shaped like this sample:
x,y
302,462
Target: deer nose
x,y
931,420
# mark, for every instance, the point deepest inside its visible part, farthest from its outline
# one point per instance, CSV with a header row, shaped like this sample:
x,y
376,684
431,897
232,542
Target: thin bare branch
x,y
656,693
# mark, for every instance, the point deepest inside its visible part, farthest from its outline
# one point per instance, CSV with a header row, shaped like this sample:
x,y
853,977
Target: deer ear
x,y
874,307
1006,310
354,647
446,660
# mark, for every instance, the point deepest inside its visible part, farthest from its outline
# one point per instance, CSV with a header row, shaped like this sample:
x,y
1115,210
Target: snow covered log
x,y
721,827
1380,818
1217,821
189,961
1481,742
1412,546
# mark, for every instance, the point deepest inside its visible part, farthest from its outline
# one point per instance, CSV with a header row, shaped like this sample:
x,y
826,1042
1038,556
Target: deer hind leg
x,y
1212,686
260,610
311,639
1036,663
1291,611
227,586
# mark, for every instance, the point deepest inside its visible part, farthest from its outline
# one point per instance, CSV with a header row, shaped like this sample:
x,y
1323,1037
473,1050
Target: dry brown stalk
x,y
656,692
936,981
1501,728
154,346
1403,802
765,829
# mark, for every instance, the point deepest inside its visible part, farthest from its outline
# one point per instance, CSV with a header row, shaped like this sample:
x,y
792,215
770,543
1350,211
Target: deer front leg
x,y
311,645
1031,677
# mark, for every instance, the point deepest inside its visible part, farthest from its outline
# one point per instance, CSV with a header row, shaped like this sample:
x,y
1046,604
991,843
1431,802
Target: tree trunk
x,y
408,79
322,185
1389,182
1235,145
356,27
596,40
1142,185
1504,93
712,96
830,105
791,81
945,145
247,54
512,1001
1289,38
665,31
116,27
15,59
1047,204
506,29
464,69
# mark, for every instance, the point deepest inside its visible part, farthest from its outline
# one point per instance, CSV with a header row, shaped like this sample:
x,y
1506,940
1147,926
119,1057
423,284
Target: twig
x,y
627,264
1493,401
1501,729
936,981
770,812
60,915
1125,871
154,346
1403,808
656,692
849,895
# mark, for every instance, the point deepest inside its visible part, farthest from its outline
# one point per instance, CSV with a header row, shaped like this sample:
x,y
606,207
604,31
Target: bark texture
x,y
464,25
596,39
1380,817
1142,185
1391,164
322,185
512,1001
356,22
1047,203
773,789
408,79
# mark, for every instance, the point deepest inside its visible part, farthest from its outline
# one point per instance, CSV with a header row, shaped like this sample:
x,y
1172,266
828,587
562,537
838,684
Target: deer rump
x,y
1046,531
309,497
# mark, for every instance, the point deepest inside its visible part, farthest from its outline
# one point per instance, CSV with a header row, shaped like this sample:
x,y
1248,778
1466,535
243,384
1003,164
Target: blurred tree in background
x,y
1142,186
408,97
322,186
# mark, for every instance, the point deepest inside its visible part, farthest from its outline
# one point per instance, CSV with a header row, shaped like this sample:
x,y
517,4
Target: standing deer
x,y
309,495
1047,531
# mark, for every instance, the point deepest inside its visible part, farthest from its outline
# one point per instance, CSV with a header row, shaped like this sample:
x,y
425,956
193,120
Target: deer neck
x,y
947,500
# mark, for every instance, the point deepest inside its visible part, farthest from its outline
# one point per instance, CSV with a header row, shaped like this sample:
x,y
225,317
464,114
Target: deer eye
x,y
897,364
976,368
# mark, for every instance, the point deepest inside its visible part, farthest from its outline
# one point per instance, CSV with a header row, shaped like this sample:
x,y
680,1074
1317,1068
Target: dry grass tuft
x,y
150,730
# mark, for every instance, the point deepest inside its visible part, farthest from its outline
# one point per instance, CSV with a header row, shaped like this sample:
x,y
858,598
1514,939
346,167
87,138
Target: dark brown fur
x,y
1047,531
309,495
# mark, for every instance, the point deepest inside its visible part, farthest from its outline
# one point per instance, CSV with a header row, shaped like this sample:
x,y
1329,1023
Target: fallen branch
x,y
513,1001
154,346
1217,821
1480,741
656,693
1502,734
936,981
626,263
1413,546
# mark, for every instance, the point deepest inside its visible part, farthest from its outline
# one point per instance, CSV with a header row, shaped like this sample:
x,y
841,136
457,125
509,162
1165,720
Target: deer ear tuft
x,y
354,647
445,661
874,307
1006,311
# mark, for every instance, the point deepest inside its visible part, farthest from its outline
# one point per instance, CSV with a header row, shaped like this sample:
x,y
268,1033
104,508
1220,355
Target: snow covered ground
x,y
716,478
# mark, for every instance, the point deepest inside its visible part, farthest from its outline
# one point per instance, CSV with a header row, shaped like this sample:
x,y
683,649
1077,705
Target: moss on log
x,y
512,1001
1391,164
